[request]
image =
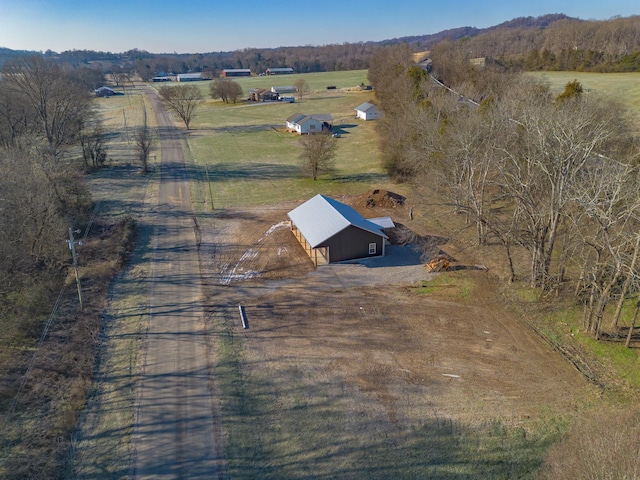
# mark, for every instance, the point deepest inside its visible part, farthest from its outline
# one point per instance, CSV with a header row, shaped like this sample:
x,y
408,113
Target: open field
x,y
251,159
624,87
381,372
358,372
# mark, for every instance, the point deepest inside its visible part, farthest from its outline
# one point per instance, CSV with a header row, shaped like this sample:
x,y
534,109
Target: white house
x,y
304,124
367,111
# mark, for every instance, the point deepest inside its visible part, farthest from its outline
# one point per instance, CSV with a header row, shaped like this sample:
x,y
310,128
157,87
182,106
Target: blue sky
x,y
198,26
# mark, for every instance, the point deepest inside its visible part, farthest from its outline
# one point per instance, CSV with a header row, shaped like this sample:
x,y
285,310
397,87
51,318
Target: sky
x,y
200,26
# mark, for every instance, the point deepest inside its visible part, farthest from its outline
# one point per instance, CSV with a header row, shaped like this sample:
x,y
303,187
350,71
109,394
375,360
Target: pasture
x,y
624,87
251,158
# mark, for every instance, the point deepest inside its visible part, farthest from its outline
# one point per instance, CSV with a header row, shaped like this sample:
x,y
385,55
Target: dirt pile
x,y
379,198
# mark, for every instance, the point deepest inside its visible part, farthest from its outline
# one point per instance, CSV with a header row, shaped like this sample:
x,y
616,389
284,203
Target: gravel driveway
x,y
400,265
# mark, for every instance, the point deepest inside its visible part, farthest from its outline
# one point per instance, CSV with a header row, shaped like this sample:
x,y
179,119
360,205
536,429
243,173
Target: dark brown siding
x,y
352,243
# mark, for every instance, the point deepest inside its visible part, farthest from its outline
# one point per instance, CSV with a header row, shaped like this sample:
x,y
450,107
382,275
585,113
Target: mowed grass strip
x,y
102,444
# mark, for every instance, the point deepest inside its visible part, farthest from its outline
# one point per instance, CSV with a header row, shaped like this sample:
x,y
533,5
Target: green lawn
x,y
251,159
317,81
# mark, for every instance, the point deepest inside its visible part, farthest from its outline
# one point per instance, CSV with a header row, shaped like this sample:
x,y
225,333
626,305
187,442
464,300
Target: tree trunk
x,y
633,324
587,320
625,287
603,300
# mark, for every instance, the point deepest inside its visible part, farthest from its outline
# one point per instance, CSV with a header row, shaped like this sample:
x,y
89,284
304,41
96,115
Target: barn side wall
x,y
352,243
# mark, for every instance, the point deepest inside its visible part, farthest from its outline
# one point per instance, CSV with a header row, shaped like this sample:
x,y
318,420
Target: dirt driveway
x,y
366,330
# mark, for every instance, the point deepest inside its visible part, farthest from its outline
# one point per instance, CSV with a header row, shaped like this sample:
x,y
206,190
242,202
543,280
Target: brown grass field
x,y
349,373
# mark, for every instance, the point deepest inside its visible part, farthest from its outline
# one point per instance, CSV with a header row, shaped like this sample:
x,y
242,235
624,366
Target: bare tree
x,y
144,144
387,73
183,100
59,104
606,221
120,77
318,153
94,146
16,119
302,87
550,147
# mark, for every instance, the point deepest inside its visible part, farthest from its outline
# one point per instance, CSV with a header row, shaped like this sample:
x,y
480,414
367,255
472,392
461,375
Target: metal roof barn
x,y
331,231
189,77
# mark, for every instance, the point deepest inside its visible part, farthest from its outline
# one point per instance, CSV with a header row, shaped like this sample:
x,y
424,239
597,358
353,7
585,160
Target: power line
x,y
32,362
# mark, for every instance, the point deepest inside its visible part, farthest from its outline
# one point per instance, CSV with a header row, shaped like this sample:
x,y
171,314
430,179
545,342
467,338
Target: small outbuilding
x,y
331,231
104,92
284,89
367,111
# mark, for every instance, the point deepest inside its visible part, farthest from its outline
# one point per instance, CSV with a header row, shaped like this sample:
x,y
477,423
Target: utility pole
x,y
72,247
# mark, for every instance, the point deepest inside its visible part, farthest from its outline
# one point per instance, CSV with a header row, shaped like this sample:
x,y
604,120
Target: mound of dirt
x,y
379,198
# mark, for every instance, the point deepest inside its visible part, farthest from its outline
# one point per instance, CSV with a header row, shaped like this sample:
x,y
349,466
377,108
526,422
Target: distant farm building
x,y
284,89
279,71
262,95
163,78
104,92
189,77
367,111
330,231
304,124
236,72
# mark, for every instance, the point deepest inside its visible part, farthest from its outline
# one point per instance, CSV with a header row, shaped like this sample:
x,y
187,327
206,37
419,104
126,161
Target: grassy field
x,y
624,87
251,159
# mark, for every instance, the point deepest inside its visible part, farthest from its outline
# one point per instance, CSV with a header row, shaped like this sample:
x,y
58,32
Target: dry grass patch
x,y
337,381
57,375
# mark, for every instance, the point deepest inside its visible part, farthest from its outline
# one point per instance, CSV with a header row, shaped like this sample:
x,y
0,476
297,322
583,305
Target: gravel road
x,y
175,428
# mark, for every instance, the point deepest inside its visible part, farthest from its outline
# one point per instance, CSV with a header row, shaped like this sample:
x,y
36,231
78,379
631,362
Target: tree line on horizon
x,y
549,42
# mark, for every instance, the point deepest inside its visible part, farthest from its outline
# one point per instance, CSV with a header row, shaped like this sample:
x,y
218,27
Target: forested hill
x,y
548,42
425,42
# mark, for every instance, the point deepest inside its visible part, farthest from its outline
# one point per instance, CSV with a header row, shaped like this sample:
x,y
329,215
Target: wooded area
x,y
44,115
555,176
